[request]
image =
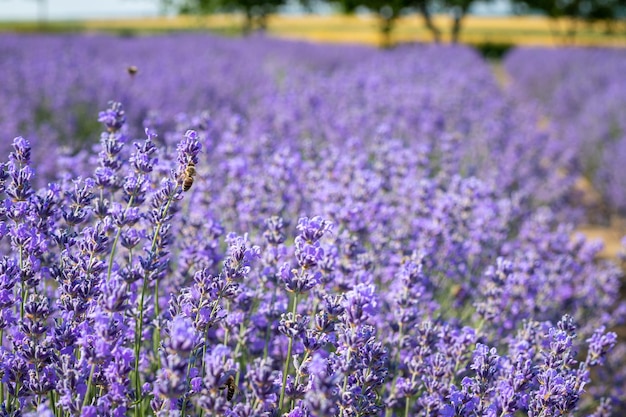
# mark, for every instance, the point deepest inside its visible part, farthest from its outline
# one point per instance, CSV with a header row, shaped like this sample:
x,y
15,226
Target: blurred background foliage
x,y
566,16
581,22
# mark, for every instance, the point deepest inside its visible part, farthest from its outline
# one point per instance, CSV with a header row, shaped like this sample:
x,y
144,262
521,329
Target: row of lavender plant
x,y
124,295
443,97
259,261
583,94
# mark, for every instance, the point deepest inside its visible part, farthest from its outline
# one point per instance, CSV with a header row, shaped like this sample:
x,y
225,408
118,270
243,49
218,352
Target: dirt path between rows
x,y
611,237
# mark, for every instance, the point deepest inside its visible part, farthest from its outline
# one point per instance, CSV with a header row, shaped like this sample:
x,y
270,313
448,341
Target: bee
x,y
188,175
190,169
132,70
187,182
229,385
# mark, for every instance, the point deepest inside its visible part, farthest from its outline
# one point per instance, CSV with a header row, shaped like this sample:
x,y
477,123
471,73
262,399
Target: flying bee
x,y
132,70
187,176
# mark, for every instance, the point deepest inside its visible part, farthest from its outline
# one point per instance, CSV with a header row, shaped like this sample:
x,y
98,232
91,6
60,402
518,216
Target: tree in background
x,y
166,6
255,12
575,12
568,12
386,11
555,10
458,9
607,11
424,7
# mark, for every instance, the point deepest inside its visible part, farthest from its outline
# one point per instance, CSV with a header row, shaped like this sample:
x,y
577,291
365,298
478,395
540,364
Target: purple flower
x,y
600,343
113,118
183,336
188,149
141,160
361,303
312,230
22,150
298,280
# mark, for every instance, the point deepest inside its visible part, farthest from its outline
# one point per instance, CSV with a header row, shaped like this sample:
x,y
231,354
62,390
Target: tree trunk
x,y
263,21
248,22
553,23
386,26
572,30
459,14
428,20
609,26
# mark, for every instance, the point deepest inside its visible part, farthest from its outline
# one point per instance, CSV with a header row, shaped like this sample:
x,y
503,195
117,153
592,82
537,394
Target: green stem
x,y
345,378
139,325
138,332
87,392
407,406
285,372
407,401
238,348
306,353
1,386
226,330
117,238
184,406
53,405
395,361
202,368
157,331
206,333
38,378
17,394
348,354
23,286
304,359
204,345
268,328
206,336
288,358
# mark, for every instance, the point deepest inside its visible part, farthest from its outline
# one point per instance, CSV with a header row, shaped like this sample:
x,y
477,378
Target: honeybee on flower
x,y
187,176
230,386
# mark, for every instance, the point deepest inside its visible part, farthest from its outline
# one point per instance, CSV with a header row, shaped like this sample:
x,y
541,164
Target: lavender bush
x,y
583,94
347,255
445,98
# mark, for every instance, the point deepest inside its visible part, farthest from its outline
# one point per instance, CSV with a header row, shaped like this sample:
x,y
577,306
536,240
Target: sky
x,y
78,9
111,9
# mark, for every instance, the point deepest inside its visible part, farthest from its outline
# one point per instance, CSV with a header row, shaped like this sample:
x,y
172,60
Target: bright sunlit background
x,y
111,9
77,9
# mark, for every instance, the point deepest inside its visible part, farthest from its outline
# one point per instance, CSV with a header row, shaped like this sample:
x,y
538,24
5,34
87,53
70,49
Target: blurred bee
x,y
229,384
132,70
188,175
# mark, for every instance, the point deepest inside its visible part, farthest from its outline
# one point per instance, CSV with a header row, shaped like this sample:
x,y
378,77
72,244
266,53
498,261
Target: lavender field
x,y
583,94
253,227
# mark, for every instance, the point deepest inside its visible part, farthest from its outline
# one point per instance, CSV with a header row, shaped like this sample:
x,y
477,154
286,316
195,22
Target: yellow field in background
x,y
520,30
